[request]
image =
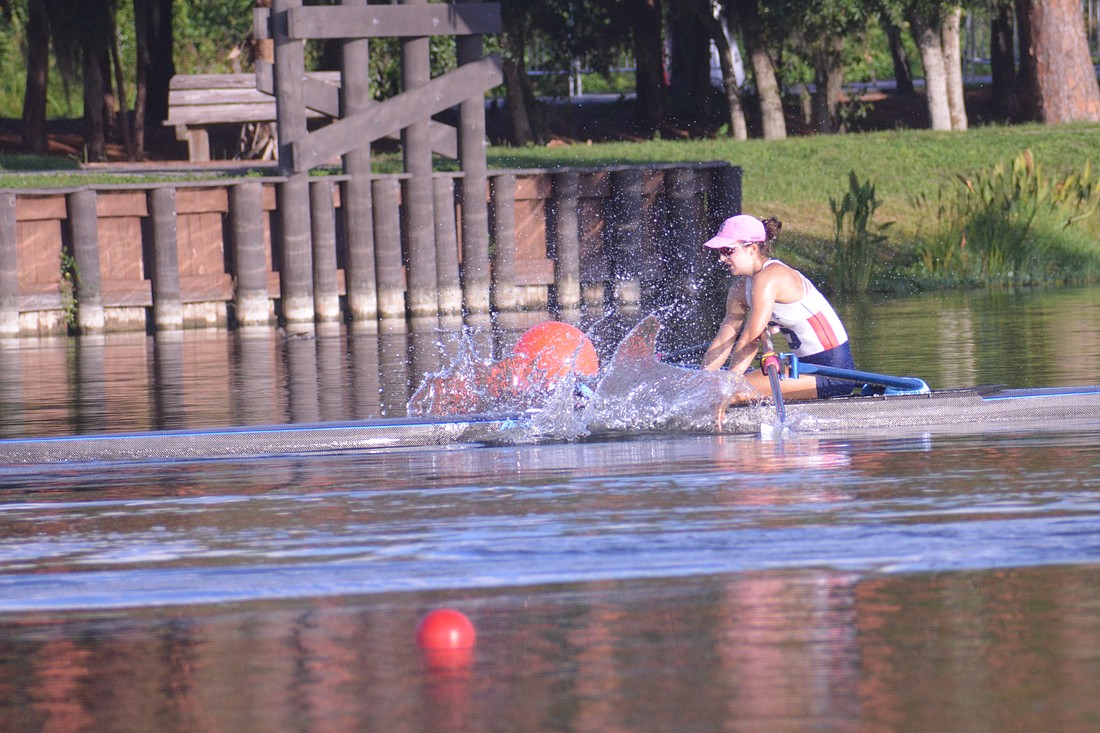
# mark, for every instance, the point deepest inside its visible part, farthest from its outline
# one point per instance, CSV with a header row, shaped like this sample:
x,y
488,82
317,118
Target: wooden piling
x,y
165,277
683,229
251,300
295,270
9,267
566,240
723,195
446,246
625,235
385,193
359,275
84,230
418,224
476,280
504,295
326,289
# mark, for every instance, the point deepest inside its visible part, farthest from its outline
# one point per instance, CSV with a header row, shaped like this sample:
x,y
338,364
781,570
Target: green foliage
x,y
1011,224
206,33
67,287
856,241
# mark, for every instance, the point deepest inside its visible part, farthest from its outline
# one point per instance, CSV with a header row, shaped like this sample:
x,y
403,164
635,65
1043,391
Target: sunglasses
x,y
727,252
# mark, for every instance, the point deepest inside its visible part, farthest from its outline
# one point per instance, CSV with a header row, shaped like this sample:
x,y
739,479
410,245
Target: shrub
x,y
1010,224
856,239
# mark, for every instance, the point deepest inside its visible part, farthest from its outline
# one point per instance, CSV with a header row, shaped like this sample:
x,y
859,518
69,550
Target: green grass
x,y
794,178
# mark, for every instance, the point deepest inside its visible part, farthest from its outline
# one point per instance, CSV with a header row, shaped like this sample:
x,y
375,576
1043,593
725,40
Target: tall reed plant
x,y
1011,224
857,239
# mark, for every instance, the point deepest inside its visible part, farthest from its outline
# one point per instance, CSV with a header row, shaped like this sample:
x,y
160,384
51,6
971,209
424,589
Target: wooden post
x,y
724,200
683,228
251,300
387,247
504,295
625,233
359,277
474,185
296,270
83,225
566,240
326,291
9,267
419,224
167,306
446,246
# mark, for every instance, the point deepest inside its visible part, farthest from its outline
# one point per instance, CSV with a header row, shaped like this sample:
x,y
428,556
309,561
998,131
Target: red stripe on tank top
x,y
824,331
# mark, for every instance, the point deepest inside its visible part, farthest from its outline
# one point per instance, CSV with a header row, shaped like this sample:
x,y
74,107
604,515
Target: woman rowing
x,y
773,296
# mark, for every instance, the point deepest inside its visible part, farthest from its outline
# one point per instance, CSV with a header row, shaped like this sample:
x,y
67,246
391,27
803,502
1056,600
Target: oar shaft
x,y
903,384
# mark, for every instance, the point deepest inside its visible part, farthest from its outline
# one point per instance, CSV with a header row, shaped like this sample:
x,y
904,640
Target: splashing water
x,y
635,391
639,392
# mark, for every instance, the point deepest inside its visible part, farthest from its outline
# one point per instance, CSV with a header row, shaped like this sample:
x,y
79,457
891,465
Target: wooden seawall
x,y
199,254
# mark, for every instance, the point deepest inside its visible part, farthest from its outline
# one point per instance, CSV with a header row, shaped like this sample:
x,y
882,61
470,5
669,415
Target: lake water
x,y
903,581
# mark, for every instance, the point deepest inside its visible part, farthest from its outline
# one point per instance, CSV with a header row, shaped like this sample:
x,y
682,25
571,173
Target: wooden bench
x,y
197,101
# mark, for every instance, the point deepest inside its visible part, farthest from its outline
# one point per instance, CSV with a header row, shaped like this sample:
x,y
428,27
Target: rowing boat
x,y
1067,406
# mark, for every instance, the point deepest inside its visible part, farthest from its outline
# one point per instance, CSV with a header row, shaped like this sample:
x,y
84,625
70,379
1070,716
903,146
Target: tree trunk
x,y
1027,83
1064,74
903,72
927,35
952,61
828,80
35,139
1002,61
141,72
650,83
717,31
95,129
120,85
690,70
763,70
513,46
159,68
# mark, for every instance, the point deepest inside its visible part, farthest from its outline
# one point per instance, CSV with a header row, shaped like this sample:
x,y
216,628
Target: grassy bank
x,y
794,178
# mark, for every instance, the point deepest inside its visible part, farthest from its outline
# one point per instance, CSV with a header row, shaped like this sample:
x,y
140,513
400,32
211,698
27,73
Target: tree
x,y
689,67
516,20
821,30
1002,59
38,75
155,66
716,28
935,28
1063,77
903,72
745,14
643,17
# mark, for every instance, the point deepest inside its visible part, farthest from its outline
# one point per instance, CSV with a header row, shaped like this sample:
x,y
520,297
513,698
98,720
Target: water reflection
x,y
1012,650
332,372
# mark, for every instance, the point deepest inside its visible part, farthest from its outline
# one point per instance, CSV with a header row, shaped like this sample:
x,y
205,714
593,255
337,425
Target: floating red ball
x,y
555,347
445,628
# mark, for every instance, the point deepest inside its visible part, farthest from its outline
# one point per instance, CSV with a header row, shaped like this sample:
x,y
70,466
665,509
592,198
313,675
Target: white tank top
x,y
809,324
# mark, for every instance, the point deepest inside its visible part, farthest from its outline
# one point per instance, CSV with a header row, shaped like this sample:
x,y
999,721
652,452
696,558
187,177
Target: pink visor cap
x,y
737,229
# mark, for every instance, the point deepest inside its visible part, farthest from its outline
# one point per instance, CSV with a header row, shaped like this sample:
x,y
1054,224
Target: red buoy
x,y
554,348
445,628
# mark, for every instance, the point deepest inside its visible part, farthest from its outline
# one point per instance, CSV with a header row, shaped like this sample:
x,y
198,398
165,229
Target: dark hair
x,y
771,231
